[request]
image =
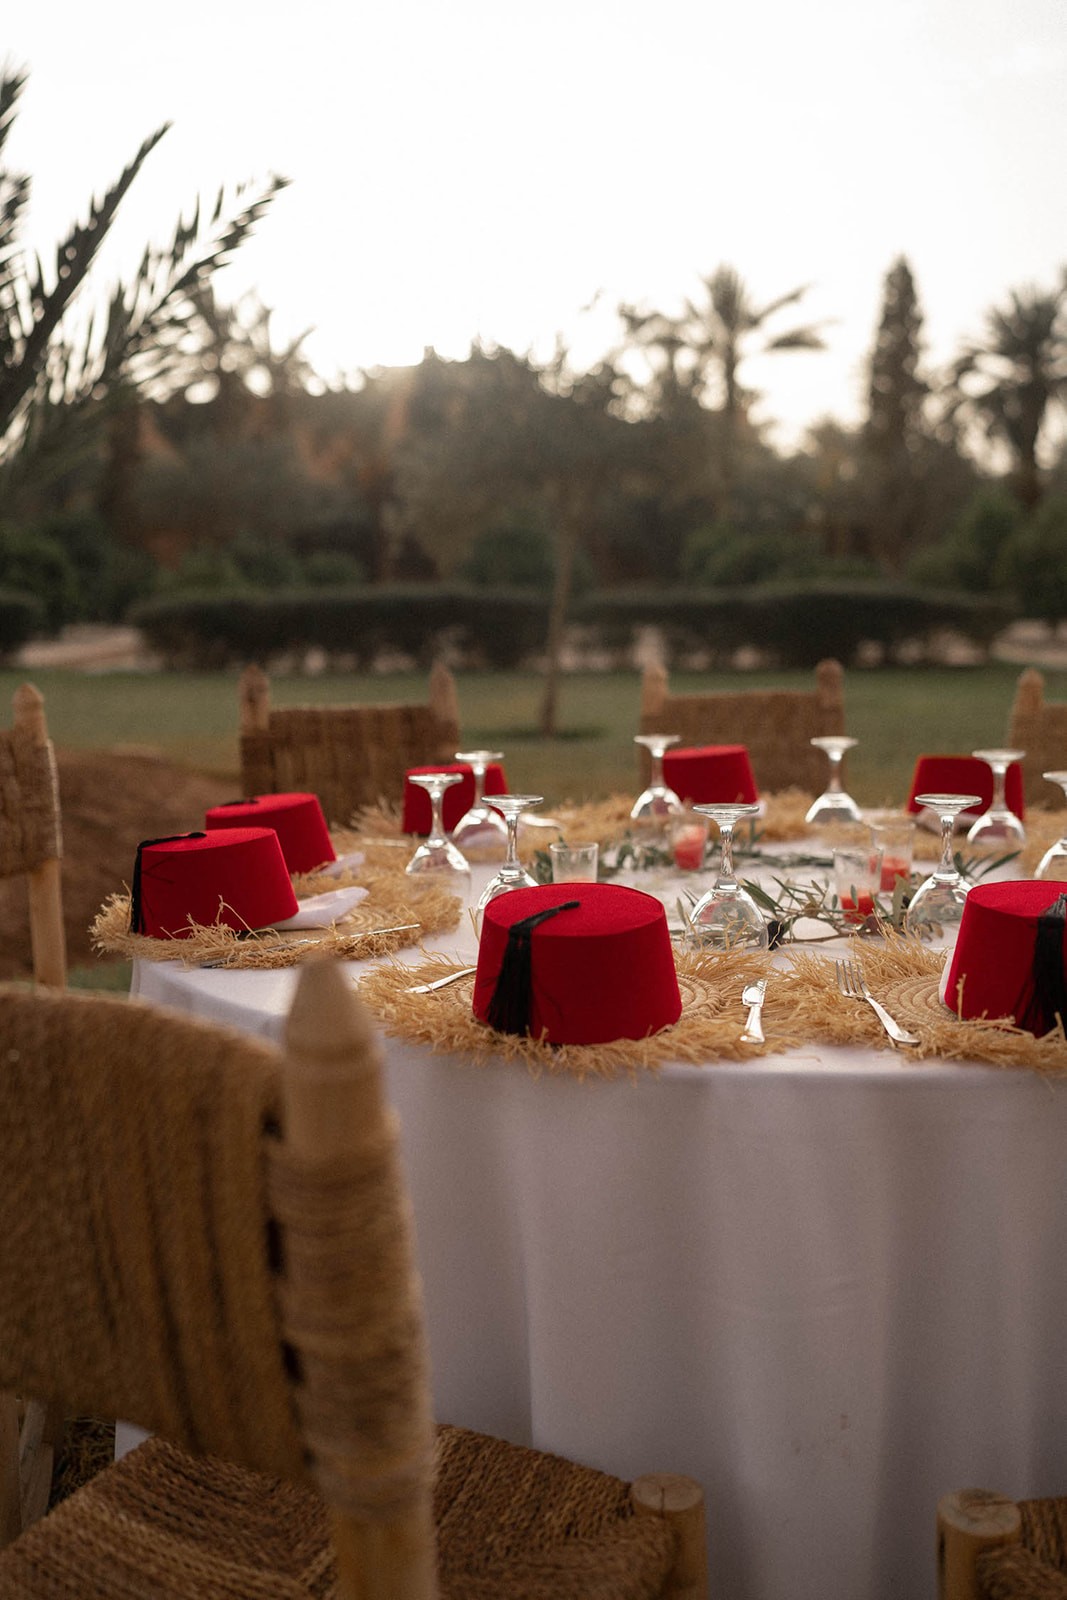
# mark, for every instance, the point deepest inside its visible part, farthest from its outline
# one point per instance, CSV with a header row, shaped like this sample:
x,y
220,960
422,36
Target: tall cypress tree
x,y
893,434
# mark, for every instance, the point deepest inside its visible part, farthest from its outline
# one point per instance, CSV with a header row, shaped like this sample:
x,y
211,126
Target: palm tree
x,y
700,352
54,376
1014,381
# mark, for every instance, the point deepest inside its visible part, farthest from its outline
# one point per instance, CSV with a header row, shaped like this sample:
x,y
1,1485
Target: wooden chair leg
x,y
10,1481
968,1522
46,925
680,1501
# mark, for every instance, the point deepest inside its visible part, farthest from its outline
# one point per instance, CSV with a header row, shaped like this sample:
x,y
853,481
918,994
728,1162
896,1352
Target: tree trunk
x,y
566,546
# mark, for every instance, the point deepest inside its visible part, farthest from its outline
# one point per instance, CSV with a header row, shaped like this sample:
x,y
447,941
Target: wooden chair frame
x,y
775,724
351,756
318,1117
1038,727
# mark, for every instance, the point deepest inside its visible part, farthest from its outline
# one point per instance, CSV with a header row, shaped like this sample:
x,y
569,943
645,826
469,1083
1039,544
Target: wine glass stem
x,y
479,786
437,827
834,785
946,867
656,779
726,864
511,858
999,800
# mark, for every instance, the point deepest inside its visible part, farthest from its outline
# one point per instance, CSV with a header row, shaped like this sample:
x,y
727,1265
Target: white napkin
x,y
320,910
349,862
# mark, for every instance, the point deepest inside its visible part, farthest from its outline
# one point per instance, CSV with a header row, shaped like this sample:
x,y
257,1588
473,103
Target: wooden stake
x,y
680,1502
968,1522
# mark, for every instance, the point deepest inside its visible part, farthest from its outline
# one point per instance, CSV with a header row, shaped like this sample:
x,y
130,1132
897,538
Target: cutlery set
x,y
850,983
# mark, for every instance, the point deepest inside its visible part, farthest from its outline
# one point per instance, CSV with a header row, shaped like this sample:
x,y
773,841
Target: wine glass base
x,y
442,859
656,805
997,829
832,807
727,921
1053,864
937,902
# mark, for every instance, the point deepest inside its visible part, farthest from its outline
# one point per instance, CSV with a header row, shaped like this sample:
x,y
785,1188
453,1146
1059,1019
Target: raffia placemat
x,y
708,1029
803,1007
398,912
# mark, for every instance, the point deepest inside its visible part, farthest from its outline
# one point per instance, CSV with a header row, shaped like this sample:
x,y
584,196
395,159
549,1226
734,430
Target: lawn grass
x,y
895,713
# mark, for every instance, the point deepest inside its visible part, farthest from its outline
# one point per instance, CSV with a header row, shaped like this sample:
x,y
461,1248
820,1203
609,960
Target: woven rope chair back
x,y
30,830
776,725
209,1237
1038,727
350,756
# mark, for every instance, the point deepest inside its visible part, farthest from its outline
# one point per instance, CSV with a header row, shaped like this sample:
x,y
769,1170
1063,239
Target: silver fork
x,y
851,983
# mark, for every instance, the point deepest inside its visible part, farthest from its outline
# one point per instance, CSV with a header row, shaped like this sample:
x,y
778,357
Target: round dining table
x,y
830,1284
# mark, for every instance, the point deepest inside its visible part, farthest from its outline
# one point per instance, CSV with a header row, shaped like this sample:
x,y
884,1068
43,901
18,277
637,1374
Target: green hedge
x,y
500,627
21,616
795,624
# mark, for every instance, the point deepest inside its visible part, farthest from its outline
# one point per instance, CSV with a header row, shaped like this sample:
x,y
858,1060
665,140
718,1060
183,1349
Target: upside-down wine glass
x,y
481,825
834,805
657,803
512,874
727,917
437,853
1053,863
999,825
940,898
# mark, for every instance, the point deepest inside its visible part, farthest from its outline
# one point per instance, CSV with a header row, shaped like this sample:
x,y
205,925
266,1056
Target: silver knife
x,y
752,996
441,983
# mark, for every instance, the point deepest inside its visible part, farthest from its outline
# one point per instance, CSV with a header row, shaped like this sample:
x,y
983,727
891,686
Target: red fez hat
x,y
236,876
576,963
709,772
965,775
1008,960
297,819
458,798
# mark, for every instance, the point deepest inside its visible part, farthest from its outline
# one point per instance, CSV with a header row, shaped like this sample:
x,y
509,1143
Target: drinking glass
x,y
1053,863
940,897
893,834
999,825
481,825
727,917
657,802
858,880
437,853
512,874
834,805
573,863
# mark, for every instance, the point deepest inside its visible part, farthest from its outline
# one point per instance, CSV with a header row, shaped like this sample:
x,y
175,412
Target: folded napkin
x,y
343,863
323,910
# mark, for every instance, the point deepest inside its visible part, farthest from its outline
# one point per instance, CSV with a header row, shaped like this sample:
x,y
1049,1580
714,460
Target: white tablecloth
x,y
830,1285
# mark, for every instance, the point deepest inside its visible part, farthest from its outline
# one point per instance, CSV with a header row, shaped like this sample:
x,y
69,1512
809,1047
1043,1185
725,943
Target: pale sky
x,y
468,168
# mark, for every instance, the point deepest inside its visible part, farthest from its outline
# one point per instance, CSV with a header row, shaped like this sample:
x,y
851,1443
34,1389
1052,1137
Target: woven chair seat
x,y
513,1524
1036,1567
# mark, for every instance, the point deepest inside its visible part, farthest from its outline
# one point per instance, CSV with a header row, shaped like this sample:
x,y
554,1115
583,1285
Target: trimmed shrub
x,y
21,616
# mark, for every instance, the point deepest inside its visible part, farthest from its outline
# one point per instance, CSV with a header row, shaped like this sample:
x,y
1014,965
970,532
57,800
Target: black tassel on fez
x,y
1049,999
509,1009
136,907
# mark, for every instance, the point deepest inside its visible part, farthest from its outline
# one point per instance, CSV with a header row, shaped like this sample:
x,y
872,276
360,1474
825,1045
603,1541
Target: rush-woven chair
x,y
1038,727
993,1548
777,725
222,1253
30,831
349,755
31,848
